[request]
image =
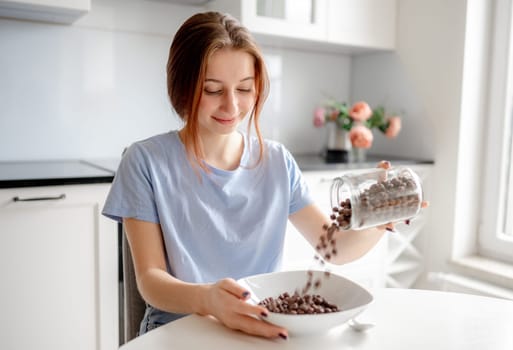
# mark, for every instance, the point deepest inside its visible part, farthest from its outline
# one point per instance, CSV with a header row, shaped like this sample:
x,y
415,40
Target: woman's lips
x,y
224,121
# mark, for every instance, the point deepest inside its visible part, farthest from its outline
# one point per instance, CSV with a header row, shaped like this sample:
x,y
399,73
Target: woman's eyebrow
x,y
220,82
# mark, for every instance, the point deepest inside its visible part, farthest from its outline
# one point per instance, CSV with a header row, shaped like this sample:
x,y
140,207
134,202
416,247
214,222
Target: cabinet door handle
x,y
32,199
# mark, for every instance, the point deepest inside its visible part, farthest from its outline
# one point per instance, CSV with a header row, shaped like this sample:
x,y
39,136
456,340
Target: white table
x,y
405,319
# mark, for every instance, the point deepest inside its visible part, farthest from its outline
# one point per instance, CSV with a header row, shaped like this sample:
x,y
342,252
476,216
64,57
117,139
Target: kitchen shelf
x,y
406,268
409,255
405,279
403,265
403,237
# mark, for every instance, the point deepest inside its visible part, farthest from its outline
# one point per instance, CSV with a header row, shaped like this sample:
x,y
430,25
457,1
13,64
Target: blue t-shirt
x,y
228,224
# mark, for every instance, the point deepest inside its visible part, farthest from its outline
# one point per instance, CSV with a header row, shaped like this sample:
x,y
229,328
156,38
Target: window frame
x,y
494,241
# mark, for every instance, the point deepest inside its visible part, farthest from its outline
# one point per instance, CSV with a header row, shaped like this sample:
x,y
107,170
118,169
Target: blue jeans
x,y
154,318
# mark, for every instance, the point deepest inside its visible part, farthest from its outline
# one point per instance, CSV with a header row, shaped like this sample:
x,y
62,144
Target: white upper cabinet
x,y
56,11
340,25
302,19
362,23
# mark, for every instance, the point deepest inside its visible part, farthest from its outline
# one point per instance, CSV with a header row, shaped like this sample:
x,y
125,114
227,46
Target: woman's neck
x,y
223,151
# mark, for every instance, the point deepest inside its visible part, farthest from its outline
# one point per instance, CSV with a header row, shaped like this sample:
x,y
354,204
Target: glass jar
x,y
371,198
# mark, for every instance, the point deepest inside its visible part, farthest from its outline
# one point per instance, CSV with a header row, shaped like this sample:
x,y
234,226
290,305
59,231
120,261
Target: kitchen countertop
x,y
315,162
69,172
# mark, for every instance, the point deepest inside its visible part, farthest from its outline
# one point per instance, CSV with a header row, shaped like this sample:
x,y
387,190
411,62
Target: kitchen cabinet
x,y
348,26
304,19
362,23
405,258
59,270
57,11
397,259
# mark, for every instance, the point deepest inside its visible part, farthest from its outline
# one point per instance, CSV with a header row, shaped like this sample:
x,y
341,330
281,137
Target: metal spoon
x,y
359,327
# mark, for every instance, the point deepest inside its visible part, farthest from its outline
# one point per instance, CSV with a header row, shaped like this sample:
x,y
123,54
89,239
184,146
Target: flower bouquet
x,y
351,127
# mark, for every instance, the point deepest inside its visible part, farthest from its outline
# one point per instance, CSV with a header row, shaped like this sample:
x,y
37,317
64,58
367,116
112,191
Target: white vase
x,y
337,138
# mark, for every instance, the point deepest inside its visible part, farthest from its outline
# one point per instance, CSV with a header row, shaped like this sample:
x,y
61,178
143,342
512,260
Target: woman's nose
x,y
230,103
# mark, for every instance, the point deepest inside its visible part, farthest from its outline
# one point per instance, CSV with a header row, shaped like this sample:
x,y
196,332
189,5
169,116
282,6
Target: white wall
x,y
382,79
89,89
438,75
430,46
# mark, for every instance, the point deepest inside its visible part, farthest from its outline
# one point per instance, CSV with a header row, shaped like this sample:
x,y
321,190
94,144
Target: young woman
x,y
208,204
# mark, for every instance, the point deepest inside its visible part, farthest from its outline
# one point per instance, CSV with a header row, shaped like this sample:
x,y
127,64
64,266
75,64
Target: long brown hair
x,y
194,43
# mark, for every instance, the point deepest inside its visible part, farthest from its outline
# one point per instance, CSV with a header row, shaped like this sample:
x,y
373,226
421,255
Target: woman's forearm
x,y
353,244
167,293
349,244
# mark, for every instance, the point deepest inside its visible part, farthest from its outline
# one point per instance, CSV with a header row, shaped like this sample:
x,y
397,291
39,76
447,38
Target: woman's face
x,y
228,93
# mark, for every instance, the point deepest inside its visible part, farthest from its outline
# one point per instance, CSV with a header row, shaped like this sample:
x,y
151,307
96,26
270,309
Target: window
x,y
496,229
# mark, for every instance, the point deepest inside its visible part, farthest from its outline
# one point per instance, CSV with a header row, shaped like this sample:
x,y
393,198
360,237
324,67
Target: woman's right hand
x,y
226,301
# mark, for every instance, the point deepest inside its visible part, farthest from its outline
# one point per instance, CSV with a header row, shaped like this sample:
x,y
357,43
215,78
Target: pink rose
x,y
319,117
394,126
360,111
361,136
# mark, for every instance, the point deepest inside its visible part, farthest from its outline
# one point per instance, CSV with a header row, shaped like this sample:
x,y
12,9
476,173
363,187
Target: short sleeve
x,y
132,194
299,192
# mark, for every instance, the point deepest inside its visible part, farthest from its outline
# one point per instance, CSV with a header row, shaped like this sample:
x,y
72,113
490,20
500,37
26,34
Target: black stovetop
x,y
52,172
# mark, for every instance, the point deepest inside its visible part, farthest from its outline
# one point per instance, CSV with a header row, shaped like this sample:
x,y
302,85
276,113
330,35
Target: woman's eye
x,y
220,91
213,92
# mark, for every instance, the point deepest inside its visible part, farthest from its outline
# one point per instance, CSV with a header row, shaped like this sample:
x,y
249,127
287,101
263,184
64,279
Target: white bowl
x,y
350,298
